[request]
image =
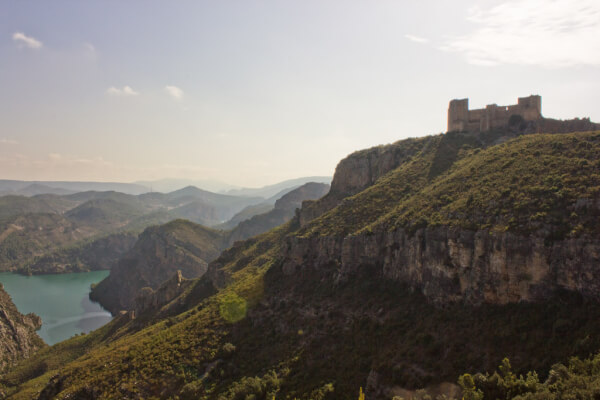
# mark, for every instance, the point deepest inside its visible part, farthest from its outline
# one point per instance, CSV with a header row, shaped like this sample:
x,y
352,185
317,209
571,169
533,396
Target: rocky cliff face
x,y
536,246
156,256
151,299
449,264
18,339
358,171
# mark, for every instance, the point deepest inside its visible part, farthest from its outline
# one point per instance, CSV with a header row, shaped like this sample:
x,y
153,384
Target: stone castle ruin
x,y
460,118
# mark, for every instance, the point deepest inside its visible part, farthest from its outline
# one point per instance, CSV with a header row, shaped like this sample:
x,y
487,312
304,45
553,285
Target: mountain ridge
x,y
279,313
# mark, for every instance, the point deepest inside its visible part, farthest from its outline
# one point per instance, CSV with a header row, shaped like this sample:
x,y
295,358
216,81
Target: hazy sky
x,y
254,92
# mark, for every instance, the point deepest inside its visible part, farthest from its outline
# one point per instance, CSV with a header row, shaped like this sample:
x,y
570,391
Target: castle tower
x,y
458,115
531,107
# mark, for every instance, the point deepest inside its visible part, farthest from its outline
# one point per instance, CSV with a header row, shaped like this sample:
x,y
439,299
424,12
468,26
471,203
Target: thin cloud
x,y
174,91
124,91
90,51
549,33
416,39
8,141
28,41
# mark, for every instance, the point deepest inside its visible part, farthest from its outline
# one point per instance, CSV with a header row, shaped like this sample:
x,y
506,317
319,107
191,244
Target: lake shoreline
x,y
60,300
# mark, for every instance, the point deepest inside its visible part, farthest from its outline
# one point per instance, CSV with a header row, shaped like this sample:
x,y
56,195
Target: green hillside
x,y
249,329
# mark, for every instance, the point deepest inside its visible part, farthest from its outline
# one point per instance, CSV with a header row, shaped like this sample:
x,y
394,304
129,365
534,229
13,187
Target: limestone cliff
x,y
358,171
513,223
18,339
450,264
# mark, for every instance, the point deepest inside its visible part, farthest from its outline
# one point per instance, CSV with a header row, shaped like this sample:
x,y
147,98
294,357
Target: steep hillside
x,y
282,212
413,271
18,339
158,253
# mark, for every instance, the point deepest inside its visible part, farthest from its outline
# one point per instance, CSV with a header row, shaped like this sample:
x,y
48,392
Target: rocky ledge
x,y
450,264
18,338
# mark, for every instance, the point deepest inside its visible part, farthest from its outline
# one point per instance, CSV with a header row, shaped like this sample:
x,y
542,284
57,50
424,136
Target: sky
x,y
254,92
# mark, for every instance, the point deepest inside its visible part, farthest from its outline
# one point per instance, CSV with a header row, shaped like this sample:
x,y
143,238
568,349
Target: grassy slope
x,y
301,329
524,185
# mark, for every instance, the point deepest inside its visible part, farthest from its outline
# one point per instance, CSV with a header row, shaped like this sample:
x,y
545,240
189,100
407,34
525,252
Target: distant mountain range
x,y
278,189
33,188
53,233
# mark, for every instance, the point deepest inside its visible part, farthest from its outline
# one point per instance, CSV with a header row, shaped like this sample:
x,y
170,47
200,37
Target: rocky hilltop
x,y
18,339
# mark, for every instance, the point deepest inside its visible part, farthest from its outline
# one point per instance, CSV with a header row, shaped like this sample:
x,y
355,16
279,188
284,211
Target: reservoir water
x,y
61,301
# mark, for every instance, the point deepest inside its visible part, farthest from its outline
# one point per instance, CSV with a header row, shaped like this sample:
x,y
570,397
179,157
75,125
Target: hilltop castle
x,y
460,118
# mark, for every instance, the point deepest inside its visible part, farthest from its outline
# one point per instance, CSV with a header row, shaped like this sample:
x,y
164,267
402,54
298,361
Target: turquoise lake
x,y
60,300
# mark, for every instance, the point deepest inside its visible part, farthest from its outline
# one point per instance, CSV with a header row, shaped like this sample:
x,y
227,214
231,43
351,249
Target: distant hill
x,y
273,190
28,236
222,206
38,189
282,212
12,205
170,185
55,187
93,255
245,214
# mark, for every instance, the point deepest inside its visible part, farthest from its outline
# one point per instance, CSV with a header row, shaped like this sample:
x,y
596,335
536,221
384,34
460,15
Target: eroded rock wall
x,y
449,264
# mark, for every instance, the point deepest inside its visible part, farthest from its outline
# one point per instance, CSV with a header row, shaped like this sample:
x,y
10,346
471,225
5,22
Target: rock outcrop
x,y
18,338
151,299
159,252
358,171
449,264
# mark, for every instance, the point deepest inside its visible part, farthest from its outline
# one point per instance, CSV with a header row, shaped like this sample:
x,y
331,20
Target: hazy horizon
x,y
253,93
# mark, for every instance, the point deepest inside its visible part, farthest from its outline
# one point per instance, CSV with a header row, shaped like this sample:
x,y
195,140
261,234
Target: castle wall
x,y
460,118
